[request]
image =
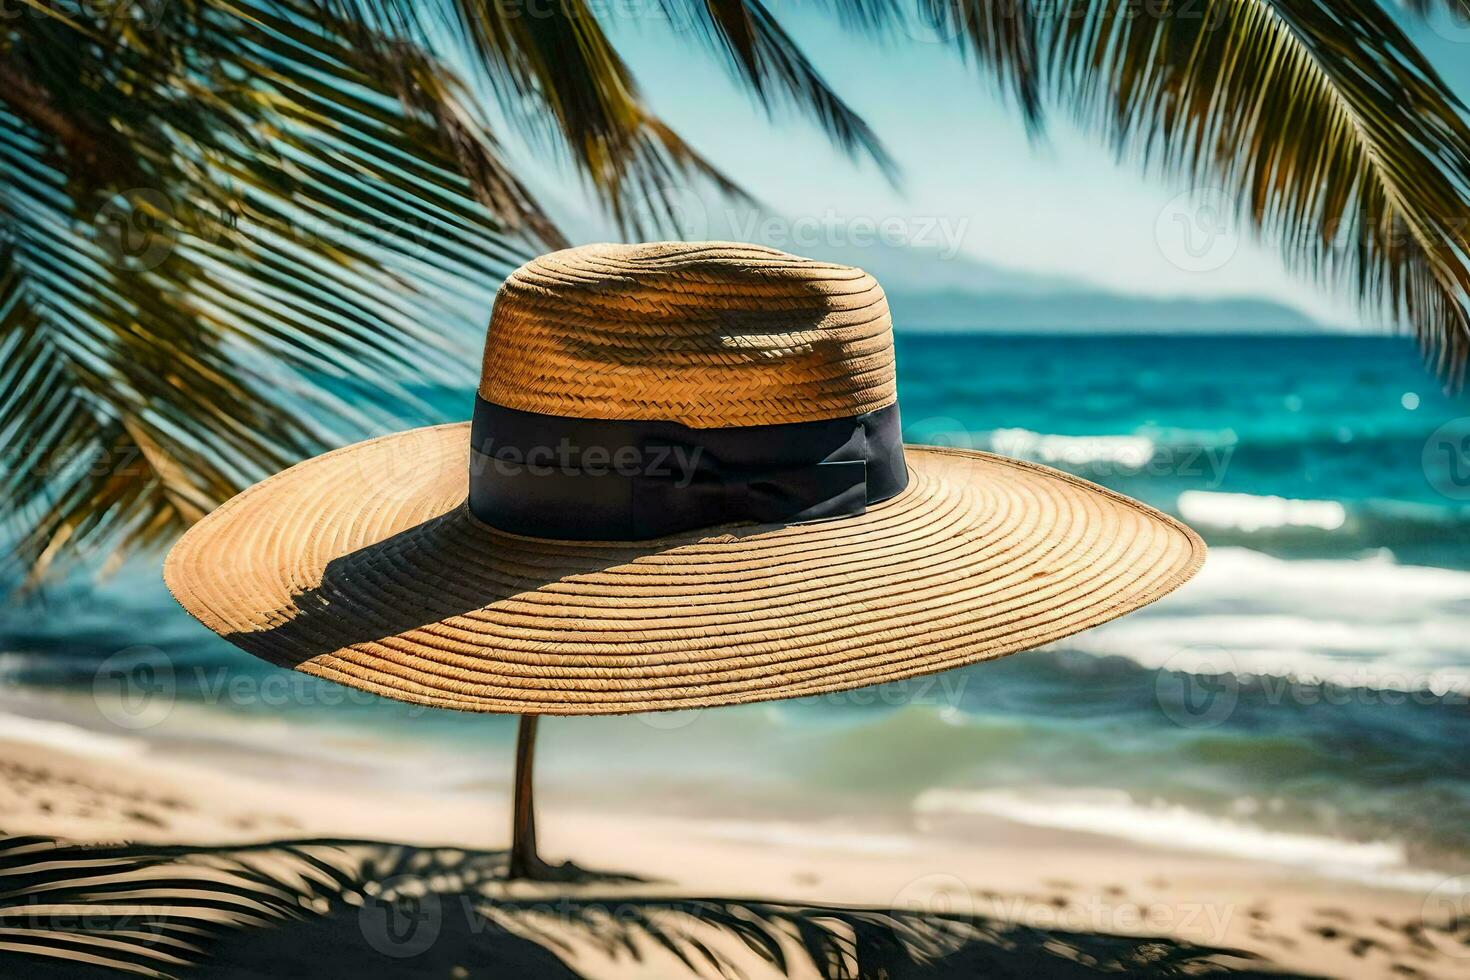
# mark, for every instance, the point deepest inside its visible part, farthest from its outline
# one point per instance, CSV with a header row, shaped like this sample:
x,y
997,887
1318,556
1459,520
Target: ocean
x,y
1303,701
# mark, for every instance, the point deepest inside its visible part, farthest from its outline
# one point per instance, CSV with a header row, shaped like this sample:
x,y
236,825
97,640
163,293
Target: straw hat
x,y
683,487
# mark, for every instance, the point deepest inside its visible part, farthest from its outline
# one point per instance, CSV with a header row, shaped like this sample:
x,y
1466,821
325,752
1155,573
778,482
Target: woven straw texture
x,y
706,334
398,590
364,565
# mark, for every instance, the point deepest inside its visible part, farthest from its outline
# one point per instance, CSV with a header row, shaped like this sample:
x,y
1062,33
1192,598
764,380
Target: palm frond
x,y
141,910
1002,35
999,35
761,54
206,228
272,908
1459,8
560,82
1338,138
1341,143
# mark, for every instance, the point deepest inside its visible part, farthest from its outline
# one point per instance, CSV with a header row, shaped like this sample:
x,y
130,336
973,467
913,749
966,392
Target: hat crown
x,y
707,334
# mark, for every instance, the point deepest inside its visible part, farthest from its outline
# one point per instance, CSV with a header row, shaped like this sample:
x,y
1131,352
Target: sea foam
x,y
1249,513
69,738
1367,623
1130,451
1113,813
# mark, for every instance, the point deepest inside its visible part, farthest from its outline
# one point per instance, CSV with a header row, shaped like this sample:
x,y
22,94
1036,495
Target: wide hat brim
x,y
363,566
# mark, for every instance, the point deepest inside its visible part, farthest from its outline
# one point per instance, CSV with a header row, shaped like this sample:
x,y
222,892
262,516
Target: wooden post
x,y
524,861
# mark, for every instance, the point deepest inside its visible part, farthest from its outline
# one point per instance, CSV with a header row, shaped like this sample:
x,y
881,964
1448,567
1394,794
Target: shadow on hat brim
x,y
364,567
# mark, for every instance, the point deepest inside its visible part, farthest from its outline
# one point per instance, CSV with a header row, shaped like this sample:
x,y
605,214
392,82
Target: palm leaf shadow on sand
x,y
347,908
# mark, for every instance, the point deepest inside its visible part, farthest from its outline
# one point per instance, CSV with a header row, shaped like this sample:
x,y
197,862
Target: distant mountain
x,y
936,287
931,290
1092,311
928,269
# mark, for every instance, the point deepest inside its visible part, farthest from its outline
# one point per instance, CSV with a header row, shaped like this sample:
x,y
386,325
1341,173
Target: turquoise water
x,y
1304,701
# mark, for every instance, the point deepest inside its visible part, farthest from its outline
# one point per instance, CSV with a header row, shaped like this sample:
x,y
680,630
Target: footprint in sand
x,y
139,816
1363,945
1421,943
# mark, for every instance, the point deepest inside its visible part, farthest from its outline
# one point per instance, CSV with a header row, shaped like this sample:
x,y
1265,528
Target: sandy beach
x,y
1033,902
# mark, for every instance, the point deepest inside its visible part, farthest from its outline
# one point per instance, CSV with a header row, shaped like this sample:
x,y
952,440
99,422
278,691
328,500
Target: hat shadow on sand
x,y
353,908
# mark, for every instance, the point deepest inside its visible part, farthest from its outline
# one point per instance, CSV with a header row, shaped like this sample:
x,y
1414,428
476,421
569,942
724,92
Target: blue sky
x,y
971,178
